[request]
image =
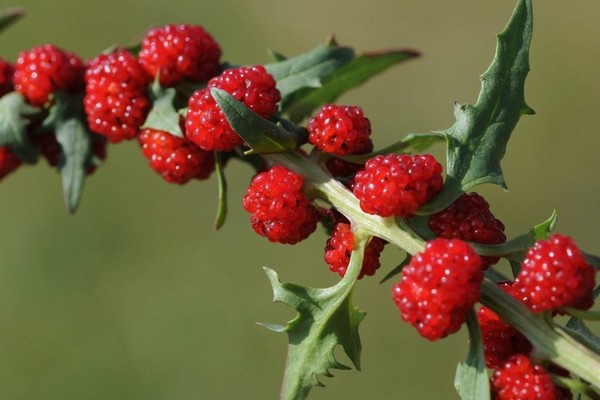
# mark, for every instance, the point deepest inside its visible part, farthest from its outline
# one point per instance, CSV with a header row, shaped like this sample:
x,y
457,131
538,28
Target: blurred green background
x,y
136,297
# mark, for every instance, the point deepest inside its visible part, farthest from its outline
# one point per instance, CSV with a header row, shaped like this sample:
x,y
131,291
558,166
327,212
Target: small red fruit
x,y
176,159
439,287
280,210
519,379
397,185
9,161
206,124
180,52
340,130
6,75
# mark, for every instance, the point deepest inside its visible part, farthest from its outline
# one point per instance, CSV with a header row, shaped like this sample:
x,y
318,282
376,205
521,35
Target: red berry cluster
x,y
43,70
397,185
206,124
178,52
439,286
469,218
176,159
279,210
340,130
339,248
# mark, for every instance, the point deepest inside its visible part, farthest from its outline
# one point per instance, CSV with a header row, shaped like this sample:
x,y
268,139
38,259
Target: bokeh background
x,y
135,297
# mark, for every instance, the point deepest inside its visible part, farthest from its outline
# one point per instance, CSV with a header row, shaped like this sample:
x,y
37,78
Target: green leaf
x,y
416,142
477,141
326,318
261,135
13,125
308,69
9,16
163,116
348,76
67,119
222,182
514,250
471,380
580,331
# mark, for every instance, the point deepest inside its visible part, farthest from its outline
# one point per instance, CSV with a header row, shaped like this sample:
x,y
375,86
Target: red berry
x,y
342,169
8,161
397,184
500,340
280,210
45,69
555,274
180,52
206,124
469,218
340,245
6,76
176,159
439,287
115,100
519,379
340,130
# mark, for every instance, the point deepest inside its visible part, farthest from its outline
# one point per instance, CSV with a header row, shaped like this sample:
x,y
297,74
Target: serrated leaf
x,y
163,115
9,16
308,69
477,141
346,77
471,380
261,135
326,318
13,125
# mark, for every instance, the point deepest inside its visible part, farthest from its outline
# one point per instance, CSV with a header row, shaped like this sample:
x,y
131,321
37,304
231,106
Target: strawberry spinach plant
x,y
315,164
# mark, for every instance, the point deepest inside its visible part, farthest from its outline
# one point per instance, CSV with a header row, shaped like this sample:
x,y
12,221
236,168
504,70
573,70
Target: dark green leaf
x,y
346,77
222,182
261,135
13,125
67,119
471,380
163,116
8,16
416,142
477,141
580,331
308,69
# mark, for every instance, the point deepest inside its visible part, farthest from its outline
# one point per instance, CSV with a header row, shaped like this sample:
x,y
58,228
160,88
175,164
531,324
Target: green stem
x,y
318,183
552,344
549,341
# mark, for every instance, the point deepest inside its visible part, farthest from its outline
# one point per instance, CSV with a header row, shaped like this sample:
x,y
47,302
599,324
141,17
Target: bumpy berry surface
x,y
555,274
397,184
519,379
180,52
115,100
339,247
279,209
206,124
500,340
340,130
176,159
45,69
8,161
469,218
6,75
439,287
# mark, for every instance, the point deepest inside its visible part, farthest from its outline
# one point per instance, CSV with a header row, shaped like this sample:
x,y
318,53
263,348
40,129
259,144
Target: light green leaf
x,y
477,141
471,380
163,116
13,125
222,182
